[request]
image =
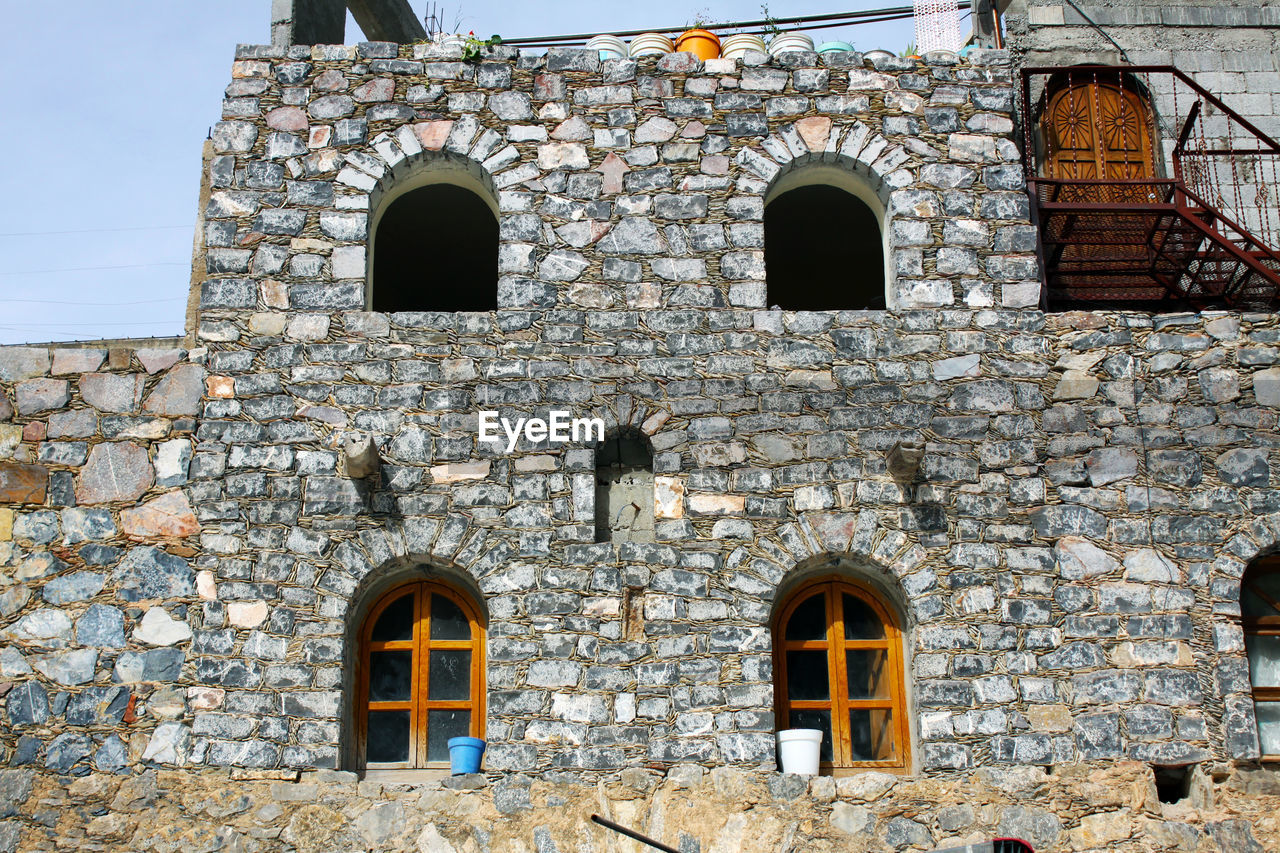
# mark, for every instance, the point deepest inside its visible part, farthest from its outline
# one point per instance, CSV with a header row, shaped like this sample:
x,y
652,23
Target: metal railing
x,y
1188,183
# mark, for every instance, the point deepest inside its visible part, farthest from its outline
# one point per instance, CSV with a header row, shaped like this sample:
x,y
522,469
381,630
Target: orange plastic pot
x,y
702,43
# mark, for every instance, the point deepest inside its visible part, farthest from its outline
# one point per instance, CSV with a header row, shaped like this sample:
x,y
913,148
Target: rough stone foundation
x,y
723,810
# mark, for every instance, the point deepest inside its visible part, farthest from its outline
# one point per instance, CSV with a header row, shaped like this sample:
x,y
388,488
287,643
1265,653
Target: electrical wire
x,y
97,269
92,230
94,304
842,19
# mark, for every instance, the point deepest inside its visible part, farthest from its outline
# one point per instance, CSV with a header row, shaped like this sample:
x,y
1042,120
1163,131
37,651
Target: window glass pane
x,y
1255,606
390,676
860,621
809,620
448,622
872,734
807,676
388,738
396,622
450,676
815,719
442,725
1264,660
868,678
1268,714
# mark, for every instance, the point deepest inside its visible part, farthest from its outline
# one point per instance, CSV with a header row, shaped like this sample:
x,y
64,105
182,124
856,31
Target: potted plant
x,y
734,46
789,43
651,44
473,48
698,40
835,47
798,750
910,52
610,47
465,754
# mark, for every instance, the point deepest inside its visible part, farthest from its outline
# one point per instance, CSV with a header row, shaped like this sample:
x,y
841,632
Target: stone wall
x,y
1093,488
185,560
722,810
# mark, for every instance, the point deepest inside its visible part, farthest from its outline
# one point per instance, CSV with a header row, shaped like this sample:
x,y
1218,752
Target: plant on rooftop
x,y
697,39
473,48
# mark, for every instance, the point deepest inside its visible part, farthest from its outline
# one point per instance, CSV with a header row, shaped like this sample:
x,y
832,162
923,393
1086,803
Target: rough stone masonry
x,y
183,557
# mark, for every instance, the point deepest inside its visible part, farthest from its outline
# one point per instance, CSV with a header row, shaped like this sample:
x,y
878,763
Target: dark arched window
x,y
435,248
838,658
823,251
1260,613
421,676
624,489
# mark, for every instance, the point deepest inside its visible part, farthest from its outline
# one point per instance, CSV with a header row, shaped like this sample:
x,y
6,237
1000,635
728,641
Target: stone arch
x,y
849,155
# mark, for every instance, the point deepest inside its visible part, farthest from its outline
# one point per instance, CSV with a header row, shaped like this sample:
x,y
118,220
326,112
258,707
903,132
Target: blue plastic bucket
x,y
464,755
835,46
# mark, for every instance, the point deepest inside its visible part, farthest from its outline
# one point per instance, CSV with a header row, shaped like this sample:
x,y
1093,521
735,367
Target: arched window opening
x,y
823,251
1260,614
624,489
839,663
421,676
435,248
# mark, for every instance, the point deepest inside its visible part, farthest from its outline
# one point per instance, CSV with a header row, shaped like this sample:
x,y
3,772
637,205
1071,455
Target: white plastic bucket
x,y
651,44
610,47
734,46
789,43
798,751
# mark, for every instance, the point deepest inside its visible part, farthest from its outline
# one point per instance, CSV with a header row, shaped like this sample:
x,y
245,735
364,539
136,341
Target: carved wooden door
x,y
1096,129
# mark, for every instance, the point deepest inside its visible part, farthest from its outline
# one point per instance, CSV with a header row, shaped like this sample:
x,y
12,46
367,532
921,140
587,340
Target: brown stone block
x,y
22,484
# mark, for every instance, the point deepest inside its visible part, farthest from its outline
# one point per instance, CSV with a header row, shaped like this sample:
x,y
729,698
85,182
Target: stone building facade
x,y
188,563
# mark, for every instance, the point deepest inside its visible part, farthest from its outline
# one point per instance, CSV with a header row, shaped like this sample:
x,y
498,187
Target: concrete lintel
x,y
387,20
308,22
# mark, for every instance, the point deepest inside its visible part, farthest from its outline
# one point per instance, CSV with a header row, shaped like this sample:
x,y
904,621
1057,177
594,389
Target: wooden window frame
x,y
1267,626
839,704
421,645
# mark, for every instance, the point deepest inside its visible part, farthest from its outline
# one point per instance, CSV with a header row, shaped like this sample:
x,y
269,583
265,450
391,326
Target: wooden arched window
x,y
1098,126
421,676
838,657
1260,613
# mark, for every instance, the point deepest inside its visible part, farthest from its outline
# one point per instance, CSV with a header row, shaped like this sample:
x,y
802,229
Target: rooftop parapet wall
x,y
621,184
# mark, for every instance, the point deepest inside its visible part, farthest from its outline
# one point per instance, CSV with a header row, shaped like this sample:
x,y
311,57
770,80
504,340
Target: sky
x,y
107,106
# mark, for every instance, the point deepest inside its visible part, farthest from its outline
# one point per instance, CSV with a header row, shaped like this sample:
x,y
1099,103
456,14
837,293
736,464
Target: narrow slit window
x,y
624,490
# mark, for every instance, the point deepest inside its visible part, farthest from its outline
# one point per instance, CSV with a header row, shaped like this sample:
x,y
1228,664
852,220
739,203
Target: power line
x,y
856,17
92,230
118,323
96,269
95,304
